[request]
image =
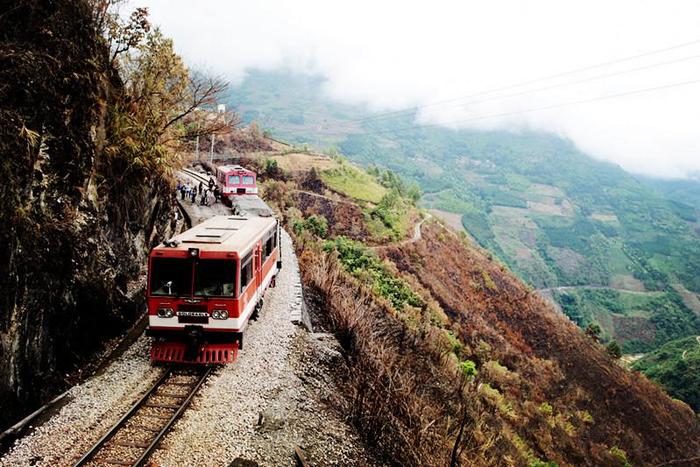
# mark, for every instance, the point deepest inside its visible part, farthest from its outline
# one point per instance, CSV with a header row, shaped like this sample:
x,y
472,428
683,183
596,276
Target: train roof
x,y
234,168
222,234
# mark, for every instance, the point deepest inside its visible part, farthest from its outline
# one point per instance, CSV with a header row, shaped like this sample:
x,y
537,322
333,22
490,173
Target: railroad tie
x,y
130,444
155,415
112,461
161,406
146,428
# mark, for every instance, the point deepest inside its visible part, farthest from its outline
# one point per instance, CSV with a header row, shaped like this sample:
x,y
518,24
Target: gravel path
x,y
93,408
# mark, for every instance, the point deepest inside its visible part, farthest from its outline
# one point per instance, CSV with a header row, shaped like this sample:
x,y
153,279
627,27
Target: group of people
x,y
205,193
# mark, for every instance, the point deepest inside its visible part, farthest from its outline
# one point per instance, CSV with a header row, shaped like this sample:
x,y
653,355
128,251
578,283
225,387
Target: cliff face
x,y
71,241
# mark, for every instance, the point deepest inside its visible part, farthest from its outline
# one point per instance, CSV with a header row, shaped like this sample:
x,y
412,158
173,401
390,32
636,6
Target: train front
x,y
193,306
235,180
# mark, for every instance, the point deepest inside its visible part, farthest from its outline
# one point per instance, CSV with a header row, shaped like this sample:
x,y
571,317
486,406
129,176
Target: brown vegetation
x,y
484,372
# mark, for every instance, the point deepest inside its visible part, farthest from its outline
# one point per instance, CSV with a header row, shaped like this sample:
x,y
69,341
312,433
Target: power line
x,y
560,85
580,81
524,83
546,107
535,109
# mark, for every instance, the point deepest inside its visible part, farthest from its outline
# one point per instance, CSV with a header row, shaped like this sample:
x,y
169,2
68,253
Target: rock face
x,y
72,236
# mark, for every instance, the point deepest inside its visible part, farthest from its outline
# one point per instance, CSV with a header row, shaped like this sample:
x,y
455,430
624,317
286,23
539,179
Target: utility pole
x,y
221,109
196,147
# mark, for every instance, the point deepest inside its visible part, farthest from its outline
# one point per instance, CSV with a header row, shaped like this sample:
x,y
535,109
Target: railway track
x,y
196,175
137,434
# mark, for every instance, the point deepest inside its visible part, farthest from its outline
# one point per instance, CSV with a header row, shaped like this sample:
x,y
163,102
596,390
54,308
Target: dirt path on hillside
x,y
327,198
697,338
565,288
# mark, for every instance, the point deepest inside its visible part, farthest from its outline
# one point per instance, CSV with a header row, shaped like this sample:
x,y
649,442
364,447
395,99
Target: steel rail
x,y
103,442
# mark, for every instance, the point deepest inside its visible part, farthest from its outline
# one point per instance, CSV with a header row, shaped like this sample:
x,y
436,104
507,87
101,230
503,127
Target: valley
x,y
555,216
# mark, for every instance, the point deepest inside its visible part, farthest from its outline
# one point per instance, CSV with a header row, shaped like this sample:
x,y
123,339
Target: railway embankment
x,y
277,397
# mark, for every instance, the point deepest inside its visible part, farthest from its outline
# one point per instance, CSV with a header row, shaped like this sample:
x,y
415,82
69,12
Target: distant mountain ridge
x,y
554,215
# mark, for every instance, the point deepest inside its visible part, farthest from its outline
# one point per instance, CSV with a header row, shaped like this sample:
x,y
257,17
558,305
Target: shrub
x,y
468,368
490,284
317,225
620,456
362,263
455,344
614,350
546,409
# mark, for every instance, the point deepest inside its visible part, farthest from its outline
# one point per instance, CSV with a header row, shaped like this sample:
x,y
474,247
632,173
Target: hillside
x,y
447,352
552,214
676,365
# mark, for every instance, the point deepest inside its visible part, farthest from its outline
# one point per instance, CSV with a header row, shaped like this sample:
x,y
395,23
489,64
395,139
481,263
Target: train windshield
x,y
215,278
171,276
234,180
248,180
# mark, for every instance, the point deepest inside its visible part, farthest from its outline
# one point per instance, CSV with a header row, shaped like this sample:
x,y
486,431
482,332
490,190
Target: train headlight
x,y
219,314
165,313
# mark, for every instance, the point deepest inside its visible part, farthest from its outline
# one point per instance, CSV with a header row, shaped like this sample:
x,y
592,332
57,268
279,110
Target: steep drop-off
x,y
72,241
449,356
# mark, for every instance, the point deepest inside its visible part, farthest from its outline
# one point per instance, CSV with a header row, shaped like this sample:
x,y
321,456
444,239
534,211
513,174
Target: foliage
x,y
640,322
364,264
389,219
676,366
354,183
317,225
620,456
546,409
468,368
614,350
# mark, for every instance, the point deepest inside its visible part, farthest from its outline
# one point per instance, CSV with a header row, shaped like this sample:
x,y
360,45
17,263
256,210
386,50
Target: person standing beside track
x,y
199,188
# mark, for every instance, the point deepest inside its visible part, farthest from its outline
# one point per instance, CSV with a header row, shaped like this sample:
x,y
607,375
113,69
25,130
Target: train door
x,y
258,269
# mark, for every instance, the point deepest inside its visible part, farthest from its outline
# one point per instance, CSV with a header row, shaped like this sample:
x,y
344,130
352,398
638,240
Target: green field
x,y
354,183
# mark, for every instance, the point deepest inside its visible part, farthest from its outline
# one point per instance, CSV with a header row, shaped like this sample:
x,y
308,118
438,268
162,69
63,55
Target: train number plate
x,y
192,317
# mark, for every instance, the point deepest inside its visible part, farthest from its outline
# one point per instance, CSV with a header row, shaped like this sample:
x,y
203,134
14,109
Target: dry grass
x,y
404,390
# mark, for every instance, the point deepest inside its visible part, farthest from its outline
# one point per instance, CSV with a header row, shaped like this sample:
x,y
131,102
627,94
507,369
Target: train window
x,y
269,246
171,276
248,180
234,180
246,272
215,278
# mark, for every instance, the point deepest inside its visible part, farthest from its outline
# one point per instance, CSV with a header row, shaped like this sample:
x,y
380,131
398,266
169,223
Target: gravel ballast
x,y
93,408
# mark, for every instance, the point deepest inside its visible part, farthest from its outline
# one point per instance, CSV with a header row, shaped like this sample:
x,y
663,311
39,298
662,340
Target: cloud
x,y
393,54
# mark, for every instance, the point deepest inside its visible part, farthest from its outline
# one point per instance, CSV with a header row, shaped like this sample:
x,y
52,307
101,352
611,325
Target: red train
x,y
236,180
205,284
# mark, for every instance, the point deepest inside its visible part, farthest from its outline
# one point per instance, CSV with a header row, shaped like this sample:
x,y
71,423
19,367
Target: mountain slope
x,y
439,340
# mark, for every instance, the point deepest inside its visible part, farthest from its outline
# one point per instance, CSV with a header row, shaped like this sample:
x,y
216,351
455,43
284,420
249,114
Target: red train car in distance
x,y
236,180
205,284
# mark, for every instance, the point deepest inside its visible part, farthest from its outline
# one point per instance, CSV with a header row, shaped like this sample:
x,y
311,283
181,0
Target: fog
x,y
390,55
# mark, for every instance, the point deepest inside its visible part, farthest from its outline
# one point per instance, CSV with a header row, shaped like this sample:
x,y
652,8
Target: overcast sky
x,y
394,54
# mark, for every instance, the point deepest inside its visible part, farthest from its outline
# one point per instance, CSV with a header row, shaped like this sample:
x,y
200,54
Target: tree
x,y
614,350
593,331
